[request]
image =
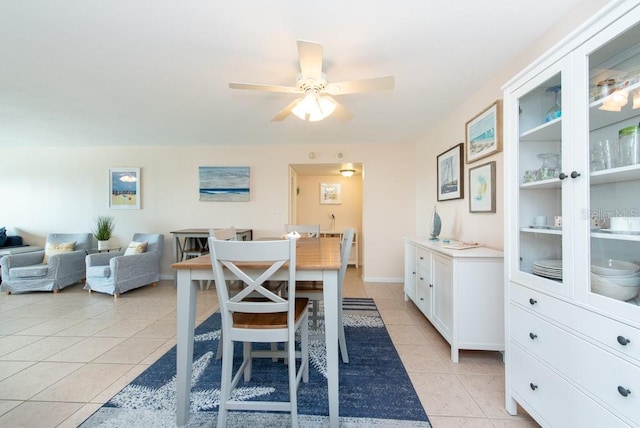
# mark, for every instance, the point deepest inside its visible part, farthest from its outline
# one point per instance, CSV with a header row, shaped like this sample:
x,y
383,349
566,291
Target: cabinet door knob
x,y
421,278
533,386
431,285
421,258
532,301
562,176
575,174
623,340
532,336
623,391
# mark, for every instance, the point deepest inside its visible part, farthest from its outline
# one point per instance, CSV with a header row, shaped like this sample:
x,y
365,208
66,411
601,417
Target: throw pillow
x,y
3,236
136,247
53,248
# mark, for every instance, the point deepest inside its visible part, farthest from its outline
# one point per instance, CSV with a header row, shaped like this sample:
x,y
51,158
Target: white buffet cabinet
x,y
572,316
459,291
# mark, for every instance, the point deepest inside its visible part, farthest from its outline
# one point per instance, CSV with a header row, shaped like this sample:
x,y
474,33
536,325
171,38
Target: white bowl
x,y
607,288
625,281
612,267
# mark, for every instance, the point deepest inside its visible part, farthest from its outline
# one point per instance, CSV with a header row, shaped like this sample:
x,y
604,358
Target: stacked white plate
x,y
548,268
615,278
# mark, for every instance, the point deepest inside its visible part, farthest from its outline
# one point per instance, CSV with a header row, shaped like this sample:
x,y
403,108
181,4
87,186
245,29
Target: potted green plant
x,y
105,226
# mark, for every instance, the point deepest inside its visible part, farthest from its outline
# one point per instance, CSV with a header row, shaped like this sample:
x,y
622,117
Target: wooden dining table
x,y
317,259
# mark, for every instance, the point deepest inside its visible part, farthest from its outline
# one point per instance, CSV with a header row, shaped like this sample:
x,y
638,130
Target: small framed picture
x,y
124,188
482,188
450,180
484,133
330,194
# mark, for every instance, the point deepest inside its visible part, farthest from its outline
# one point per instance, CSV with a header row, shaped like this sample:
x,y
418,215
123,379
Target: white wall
x,y
63,189
457,221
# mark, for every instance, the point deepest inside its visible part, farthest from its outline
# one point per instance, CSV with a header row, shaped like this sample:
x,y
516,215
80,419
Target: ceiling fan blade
x,y
261,87
310,55
340,113
285,111
385,83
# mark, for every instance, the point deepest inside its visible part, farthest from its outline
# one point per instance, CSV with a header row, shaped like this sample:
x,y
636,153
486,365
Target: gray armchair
x,y
114,273
30,272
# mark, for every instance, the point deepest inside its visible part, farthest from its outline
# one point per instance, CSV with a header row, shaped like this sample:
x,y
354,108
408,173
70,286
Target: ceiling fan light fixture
x,y
314,107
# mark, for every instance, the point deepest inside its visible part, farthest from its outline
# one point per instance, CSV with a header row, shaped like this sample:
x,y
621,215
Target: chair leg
x,y
246,354
314,313
342,339
56,291
304,348
225,382
219,352
293,385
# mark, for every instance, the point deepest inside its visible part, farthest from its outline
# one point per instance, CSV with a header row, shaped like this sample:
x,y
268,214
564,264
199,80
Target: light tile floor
x,y
63,355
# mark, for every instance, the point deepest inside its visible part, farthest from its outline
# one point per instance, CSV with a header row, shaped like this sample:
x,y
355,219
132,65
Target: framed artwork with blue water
x,y
224,183
484,133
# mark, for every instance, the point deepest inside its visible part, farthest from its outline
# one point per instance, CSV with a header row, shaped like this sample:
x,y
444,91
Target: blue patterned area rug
x,y
375,390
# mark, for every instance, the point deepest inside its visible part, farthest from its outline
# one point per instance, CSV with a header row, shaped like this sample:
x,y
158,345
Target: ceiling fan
x,y
317,101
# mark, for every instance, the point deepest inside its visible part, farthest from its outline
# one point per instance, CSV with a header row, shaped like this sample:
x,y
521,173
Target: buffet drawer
x,y
423,259
613,334
543,392
580,361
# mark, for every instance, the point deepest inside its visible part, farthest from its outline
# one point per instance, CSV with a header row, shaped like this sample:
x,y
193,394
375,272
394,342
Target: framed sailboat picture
x,y
450,181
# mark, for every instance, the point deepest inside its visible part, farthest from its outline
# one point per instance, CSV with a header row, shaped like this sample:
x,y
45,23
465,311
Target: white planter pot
x,y
103,245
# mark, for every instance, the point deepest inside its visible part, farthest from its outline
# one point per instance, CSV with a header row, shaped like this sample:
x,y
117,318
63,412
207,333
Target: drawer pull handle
x,y
623,340
533,386
532,336
623,391
533,301
421,258
421,278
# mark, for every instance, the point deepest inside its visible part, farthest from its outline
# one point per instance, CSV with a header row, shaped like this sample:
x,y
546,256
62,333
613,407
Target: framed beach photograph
x,y
124,188
482,188
450,180
224,183
330,194
484,133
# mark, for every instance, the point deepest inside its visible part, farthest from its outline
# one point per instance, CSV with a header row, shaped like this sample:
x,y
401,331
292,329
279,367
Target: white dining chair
x,y
305,230
273,318
313,291
226,234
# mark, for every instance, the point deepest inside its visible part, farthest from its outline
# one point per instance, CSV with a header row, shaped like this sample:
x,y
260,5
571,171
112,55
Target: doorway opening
x,y
320,194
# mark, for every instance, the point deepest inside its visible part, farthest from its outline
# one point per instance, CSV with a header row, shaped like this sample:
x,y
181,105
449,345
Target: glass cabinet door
x,y
614,171
541,128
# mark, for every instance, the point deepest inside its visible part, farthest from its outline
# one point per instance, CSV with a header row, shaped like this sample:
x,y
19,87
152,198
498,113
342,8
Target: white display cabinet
x,y
571,309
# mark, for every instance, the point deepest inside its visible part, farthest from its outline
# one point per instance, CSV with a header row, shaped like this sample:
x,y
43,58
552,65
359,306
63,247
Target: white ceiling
x,y
96,72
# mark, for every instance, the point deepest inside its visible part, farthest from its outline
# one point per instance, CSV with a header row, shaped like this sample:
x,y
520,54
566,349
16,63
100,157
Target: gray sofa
x,y
28,272
114,273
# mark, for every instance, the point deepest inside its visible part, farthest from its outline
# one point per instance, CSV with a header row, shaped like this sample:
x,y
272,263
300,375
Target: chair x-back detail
x,y
269,318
